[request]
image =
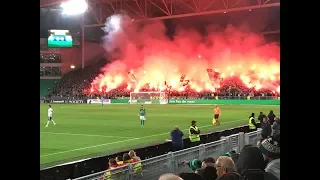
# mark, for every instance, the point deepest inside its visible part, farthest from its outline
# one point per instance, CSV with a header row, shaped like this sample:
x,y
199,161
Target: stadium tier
x,y
46,85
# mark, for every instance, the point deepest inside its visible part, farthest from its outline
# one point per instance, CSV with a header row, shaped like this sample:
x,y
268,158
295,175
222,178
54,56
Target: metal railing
x,y
173,161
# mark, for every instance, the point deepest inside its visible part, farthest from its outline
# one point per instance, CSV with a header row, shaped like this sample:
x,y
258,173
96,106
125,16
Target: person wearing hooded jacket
x,y
251,165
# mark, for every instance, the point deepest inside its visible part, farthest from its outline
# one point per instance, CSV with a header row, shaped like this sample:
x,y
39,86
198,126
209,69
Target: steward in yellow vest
x,y
252,123
112,165
194,134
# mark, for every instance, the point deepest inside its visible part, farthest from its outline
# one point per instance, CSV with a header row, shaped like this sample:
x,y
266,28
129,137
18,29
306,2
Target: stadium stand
x,y
46,85
157,160
77,83
257,160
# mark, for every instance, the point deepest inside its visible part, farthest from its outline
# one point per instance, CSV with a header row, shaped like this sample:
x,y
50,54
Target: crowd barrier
x,y
172,162
222,100
98,164
205,99
196,101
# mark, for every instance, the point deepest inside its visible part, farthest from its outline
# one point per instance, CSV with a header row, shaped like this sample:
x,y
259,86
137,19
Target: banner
x,y
212,101
98,101
59,102
67,101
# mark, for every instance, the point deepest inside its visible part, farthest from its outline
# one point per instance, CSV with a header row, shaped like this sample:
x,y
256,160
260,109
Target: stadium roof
x,y
218,11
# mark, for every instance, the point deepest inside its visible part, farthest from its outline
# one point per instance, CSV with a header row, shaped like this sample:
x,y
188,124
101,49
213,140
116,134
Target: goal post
x,y
148,98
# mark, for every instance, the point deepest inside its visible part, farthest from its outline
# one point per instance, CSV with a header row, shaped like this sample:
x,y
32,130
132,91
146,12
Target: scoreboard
x,y
60,39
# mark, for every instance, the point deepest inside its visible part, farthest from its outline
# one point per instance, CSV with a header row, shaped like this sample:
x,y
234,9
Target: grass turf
x,y
88,130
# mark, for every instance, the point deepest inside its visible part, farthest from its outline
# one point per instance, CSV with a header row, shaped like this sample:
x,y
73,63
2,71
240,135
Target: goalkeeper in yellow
x,y
142,114
217,113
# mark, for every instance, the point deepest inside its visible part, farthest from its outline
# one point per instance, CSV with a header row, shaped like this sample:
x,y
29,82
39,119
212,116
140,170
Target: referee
x,y
217,113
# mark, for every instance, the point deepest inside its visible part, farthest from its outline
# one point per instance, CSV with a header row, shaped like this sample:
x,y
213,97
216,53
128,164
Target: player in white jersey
x,y
50,112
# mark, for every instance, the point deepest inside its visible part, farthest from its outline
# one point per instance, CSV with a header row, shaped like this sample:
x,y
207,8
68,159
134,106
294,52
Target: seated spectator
x,y
133,156
194,164
235,157
246,147
190,176
208,162
228,154
119,160
270,149
207,173
169,177
224,165
231,176
136,161
126,158
112,165
251,165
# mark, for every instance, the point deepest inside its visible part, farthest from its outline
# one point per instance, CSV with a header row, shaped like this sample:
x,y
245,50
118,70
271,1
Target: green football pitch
x,y
89,130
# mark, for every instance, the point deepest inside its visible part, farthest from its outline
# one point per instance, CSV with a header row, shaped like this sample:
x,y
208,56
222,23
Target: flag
x,y
132,77
213,76
182,77
186,82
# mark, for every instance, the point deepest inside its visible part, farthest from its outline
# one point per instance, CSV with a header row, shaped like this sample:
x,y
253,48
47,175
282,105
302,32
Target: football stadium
x,y
152,89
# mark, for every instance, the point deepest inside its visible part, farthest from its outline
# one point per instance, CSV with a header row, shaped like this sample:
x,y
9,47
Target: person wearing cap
x,y
176,139
252,123
194,134
270,149
194,164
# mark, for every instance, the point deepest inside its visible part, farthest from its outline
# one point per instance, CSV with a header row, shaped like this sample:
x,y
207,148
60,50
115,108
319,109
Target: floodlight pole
x,y
82,41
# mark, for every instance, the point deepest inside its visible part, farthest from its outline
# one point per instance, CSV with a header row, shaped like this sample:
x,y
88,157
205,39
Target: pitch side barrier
x,y
269,100
99,164
229,101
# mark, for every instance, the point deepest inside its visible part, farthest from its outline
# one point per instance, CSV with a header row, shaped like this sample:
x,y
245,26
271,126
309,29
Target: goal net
x,y
148,98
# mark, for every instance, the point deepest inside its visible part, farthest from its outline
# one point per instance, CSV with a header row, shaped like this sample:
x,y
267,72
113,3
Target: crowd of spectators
x,y
259,161
77,84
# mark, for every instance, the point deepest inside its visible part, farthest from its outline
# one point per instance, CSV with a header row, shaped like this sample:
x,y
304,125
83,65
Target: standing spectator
x,y
251,165
270,149
276,126
261,116
251,158
266,128
271,117
194,134
252,123
176,139
224,165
